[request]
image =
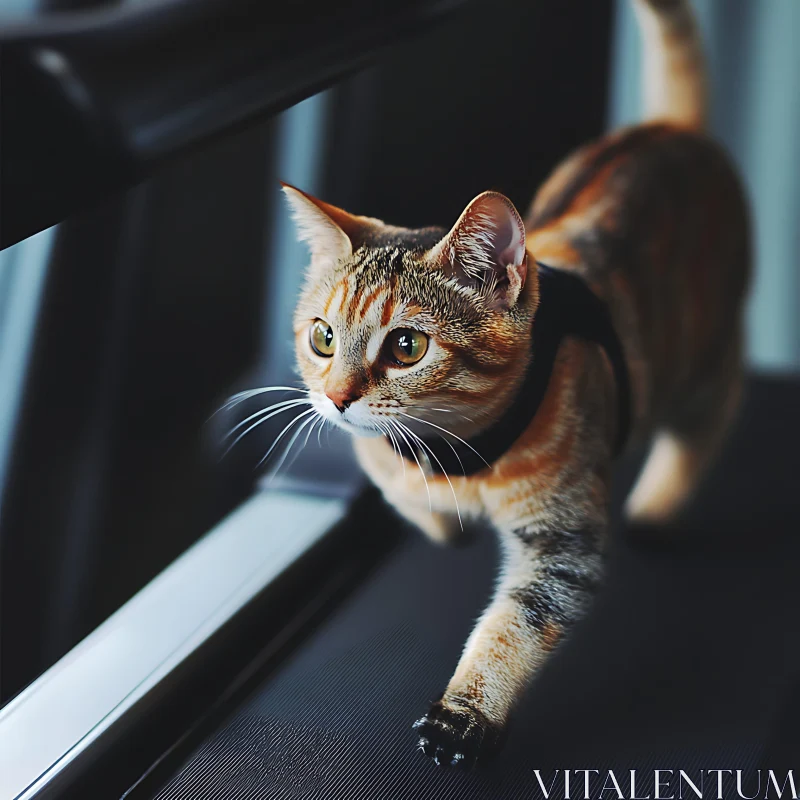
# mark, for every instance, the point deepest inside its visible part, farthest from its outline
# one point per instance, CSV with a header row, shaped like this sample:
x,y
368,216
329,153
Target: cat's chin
x,y
358,430
366,431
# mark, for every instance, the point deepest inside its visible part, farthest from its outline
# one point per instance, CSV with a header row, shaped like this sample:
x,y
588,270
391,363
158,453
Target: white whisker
x,y
319,425
240,397
287,404
398,450
282,404
319,431
444,430
387,431
313,421
455,453
397,425
282,433
449,411
290,445
444,472
311,430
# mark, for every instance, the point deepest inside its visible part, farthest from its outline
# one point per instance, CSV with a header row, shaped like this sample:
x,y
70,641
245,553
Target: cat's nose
x,y
343,397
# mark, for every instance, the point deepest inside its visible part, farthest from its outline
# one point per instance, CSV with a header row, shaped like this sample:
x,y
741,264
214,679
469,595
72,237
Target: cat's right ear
x,y
486,250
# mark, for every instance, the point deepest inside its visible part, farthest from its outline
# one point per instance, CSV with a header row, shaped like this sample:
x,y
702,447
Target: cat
x,y
641,242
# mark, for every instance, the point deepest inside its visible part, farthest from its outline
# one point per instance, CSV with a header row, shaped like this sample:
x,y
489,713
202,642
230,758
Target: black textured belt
x,y
567,307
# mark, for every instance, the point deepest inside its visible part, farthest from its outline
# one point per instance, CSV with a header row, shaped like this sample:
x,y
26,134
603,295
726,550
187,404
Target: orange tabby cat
x,y
404,335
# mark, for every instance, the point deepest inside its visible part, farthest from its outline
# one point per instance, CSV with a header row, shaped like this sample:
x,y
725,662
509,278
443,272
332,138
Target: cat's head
x,y
424,327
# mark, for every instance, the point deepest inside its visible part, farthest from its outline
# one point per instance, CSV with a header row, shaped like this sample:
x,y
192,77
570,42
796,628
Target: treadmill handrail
x,y
94,101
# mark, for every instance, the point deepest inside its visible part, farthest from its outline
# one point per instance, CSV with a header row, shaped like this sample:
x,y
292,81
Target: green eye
x,y
322,340
406,346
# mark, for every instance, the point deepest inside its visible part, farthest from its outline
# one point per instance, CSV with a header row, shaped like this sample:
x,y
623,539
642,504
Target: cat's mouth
x,y
354,428
355,420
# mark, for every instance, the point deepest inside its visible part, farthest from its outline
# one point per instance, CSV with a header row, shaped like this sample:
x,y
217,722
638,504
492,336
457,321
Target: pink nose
x,y
342,397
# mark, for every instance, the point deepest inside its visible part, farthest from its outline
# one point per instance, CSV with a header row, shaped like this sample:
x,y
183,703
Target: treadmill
x,y
286,652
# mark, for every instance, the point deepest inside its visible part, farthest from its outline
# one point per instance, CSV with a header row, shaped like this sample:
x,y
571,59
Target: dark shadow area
x,y
151,309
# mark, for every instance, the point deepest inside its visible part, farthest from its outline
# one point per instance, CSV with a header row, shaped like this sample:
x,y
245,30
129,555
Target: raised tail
x,y
674,68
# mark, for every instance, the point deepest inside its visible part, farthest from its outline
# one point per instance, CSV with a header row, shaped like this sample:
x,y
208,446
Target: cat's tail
x,y
674,68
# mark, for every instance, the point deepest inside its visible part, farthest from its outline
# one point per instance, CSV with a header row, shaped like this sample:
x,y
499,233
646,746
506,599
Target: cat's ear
x,y
317,227
486,249
331,233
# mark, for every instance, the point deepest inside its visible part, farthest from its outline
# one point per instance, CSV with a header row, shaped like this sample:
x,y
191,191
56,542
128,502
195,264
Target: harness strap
x,y
567,307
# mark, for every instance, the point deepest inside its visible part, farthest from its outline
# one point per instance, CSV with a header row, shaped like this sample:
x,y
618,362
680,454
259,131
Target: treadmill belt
x,y
683,662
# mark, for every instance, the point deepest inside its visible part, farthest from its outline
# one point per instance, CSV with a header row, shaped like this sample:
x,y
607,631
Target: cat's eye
x,y
406,346
323,342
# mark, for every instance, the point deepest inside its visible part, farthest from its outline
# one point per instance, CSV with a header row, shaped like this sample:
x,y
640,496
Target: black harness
x,y
567,307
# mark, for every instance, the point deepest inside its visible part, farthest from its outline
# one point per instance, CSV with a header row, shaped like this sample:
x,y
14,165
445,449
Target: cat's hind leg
x,y
684,447
668,479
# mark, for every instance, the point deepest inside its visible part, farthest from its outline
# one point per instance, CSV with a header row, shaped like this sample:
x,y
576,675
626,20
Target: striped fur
x,y
654,218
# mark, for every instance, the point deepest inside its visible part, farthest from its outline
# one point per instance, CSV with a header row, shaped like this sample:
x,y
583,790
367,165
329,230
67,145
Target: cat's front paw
x,y
455,734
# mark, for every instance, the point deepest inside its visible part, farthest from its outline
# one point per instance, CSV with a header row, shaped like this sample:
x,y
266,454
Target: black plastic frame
x,y
169,722
94,100
150,312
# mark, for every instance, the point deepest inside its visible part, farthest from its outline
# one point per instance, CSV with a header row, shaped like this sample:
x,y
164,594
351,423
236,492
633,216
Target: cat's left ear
x,y
332,234
486,249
